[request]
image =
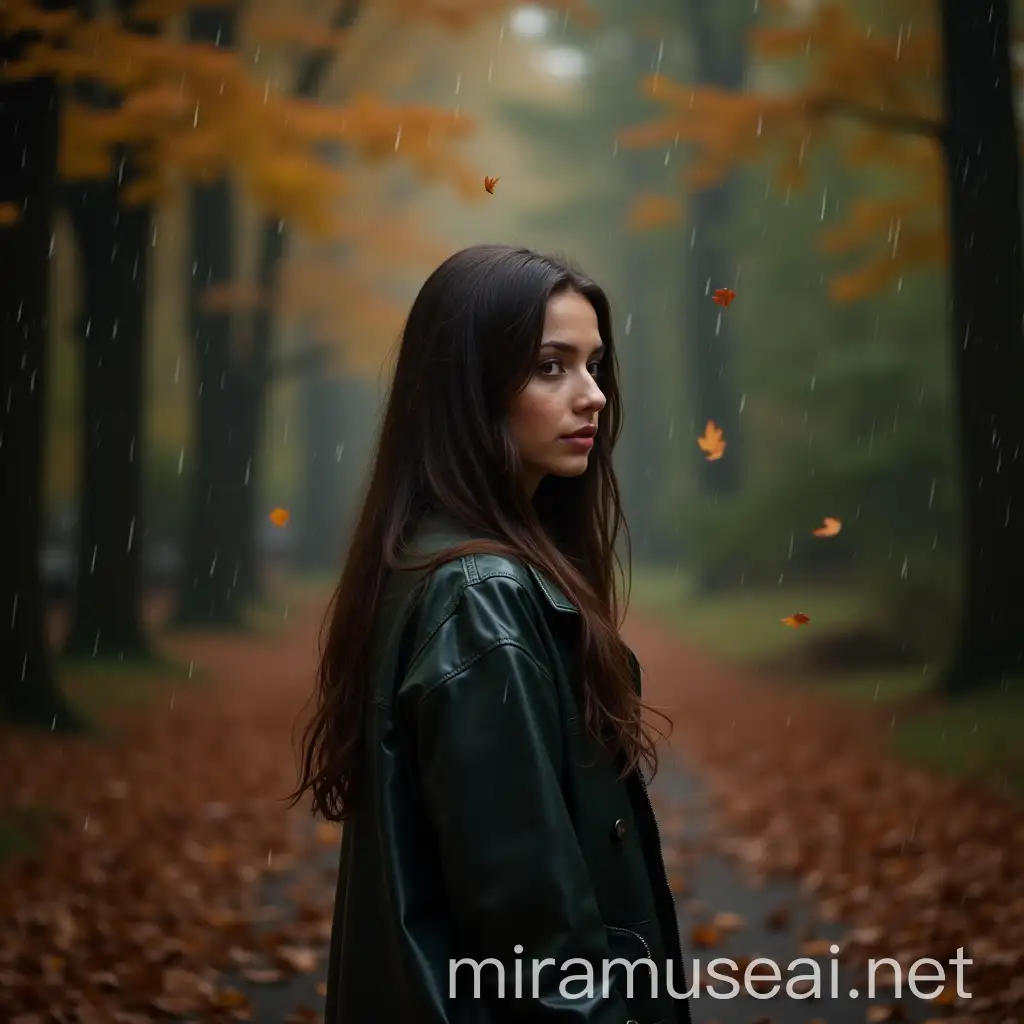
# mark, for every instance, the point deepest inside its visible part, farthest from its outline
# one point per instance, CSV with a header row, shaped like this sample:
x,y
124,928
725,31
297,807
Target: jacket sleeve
x,y
489,747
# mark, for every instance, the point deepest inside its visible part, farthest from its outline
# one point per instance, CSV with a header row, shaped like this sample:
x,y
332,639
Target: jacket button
x,y
619,830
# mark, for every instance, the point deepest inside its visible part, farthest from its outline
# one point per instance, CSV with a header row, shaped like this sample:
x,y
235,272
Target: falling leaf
x,y
829,528
9,214
648,212
279,516
723,296
947,997
884,1012
489,184
796,620
711,443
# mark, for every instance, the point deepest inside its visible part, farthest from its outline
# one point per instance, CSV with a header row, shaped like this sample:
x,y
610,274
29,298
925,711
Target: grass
x,y
976,737
743,625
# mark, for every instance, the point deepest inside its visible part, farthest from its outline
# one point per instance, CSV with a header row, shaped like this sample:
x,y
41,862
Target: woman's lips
x,y
584,443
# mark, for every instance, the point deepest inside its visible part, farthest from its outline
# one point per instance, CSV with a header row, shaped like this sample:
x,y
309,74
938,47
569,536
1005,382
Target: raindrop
x,y
760,123
177,369
195,117
743,402
458,83
181,460
490,70
824,200
92,565
931,494
629,324
398,138
131,533
792,539
53,243
338,451
671,427
213,564
285,435
903,568
191,668
14,609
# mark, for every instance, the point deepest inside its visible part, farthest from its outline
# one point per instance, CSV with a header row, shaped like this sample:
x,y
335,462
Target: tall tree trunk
x,y
720,51
29,112
113,249
980,149
258,376
113,245
214,553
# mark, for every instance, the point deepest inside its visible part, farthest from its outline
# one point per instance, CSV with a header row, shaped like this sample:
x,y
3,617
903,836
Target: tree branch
x,y
904,124
316,65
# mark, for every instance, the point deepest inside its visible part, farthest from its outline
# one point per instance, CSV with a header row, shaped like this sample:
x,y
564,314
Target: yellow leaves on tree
x,y
883,84
197,113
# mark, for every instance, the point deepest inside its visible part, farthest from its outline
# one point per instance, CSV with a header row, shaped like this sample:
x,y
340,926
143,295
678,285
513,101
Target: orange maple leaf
x,y
711,443
796,620
279,516
829,528
723,296
489,184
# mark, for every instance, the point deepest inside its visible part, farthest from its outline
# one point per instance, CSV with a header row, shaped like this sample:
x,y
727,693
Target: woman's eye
x,y
544,367
595,368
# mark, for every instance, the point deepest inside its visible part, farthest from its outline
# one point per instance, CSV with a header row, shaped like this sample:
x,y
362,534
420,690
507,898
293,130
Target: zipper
x,y
661,857
636,935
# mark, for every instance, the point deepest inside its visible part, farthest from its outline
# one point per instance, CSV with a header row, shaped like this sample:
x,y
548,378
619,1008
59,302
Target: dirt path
x,y
173,879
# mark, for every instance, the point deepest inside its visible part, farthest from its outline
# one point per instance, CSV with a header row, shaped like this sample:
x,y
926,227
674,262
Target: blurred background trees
x,y
230,206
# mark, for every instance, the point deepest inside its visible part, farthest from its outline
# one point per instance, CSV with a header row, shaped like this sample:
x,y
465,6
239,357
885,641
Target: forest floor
x,y
154,872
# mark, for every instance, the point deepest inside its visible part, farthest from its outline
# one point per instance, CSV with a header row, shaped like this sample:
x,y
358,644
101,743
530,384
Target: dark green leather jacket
x,y
493,828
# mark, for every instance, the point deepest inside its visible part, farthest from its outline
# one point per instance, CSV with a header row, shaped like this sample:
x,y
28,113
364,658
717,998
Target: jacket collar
x,y
438,530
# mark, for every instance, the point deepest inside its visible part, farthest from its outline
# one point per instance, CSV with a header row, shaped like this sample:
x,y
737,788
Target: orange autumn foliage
x,y
873,92
194,112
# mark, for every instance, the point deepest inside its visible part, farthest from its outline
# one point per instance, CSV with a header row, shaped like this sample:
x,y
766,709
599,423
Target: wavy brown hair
x,y
470,343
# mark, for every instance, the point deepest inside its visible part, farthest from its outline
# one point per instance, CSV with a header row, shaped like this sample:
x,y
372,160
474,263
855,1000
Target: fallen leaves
x,y
711,442
141,897
489,184
796,620
911,864
279,516
829,528
723,296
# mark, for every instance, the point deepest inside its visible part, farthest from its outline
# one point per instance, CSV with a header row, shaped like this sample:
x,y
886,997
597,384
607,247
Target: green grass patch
x,y
975,737
742,625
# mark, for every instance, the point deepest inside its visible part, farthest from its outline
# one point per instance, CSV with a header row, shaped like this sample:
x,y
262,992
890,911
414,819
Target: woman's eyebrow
x,y
566,346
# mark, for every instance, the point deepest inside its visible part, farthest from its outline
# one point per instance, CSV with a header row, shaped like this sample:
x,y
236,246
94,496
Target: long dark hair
x,y
470,343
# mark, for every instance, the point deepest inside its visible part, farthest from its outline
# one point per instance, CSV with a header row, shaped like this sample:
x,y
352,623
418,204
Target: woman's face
x,y
562,396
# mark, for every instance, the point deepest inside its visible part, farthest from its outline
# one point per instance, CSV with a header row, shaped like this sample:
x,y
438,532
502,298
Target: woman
x,y
478,727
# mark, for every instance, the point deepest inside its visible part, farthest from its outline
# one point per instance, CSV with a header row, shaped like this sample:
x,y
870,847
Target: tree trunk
x,y
980,149
720,52
216,527
113,245
251,411
218,484
29,110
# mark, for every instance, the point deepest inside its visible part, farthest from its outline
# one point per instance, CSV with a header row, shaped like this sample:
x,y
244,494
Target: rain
x,y
807,217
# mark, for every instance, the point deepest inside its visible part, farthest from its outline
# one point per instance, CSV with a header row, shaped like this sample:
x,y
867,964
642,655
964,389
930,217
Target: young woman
x,y
478,727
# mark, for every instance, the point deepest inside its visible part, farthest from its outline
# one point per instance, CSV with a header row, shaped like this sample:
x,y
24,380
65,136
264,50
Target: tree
x,y
113,238
891,86
29,126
